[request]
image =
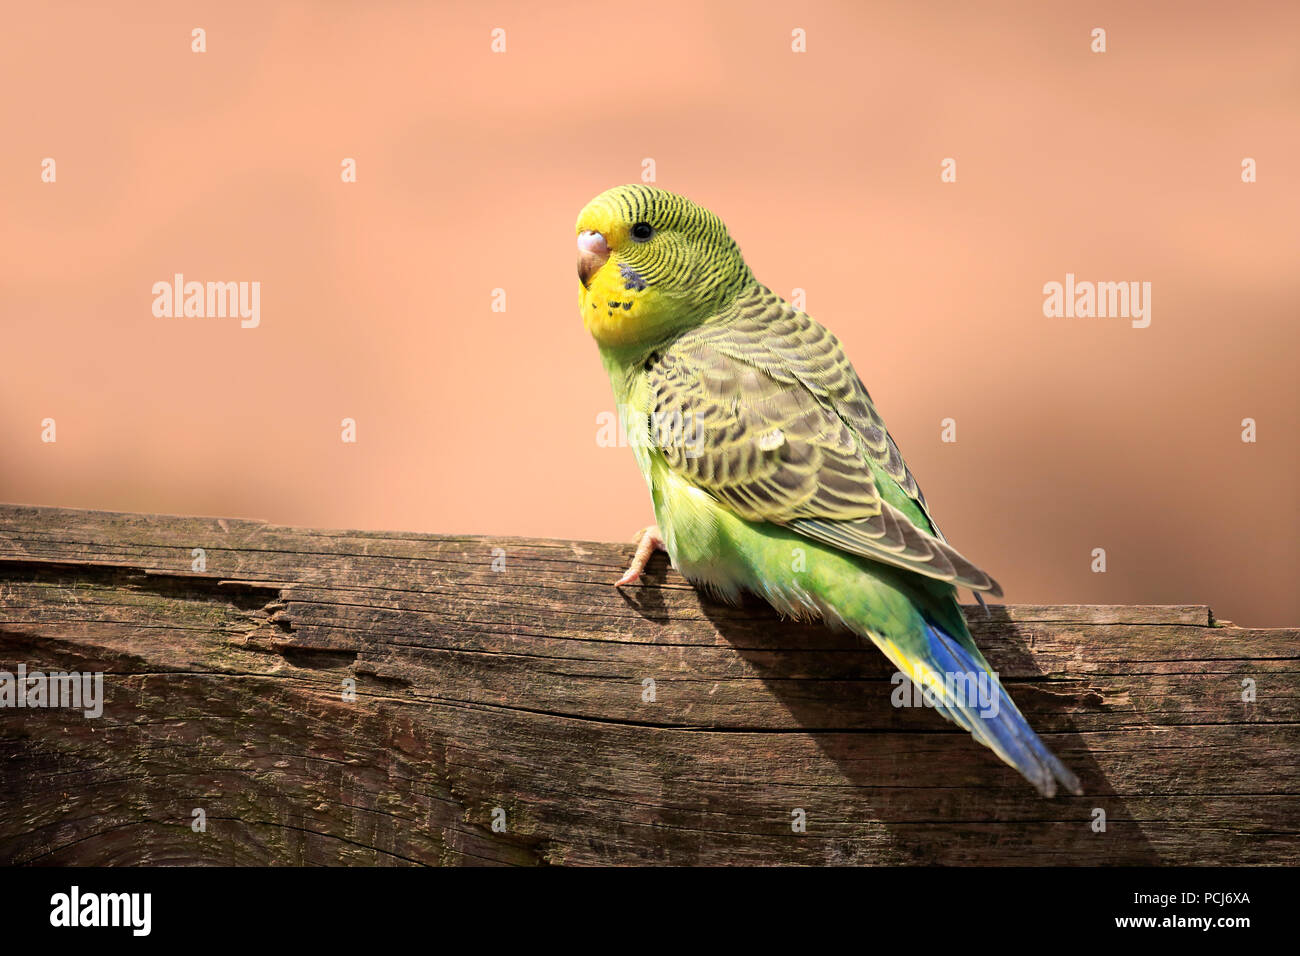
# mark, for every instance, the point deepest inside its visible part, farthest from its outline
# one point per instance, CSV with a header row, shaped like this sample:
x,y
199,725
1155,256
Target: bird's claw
x,y
648,540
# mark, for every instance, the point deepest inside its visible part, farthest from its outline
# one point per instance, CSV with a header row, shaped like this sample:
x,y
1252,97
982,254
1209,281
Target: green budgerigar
x,y
769,469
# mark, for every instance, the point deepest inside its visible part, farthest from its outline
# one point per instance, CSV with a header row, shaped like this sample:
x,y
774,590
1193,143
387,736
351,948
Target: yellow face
x,y
650,263
618,306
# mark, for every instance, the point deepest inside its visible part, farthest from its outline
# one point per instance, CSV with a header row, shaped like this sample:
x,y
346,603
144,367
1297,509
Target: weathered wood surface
x,y
522,689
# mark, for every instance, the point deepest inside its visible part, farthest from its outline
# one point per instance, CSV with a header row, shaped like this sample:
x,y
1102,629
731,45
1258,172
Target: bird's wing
x,y
765,413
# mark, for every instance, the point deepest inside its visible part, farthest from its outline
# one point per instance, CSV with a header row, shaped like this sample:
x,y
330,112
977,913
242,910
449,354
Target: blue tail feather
x,y
991,716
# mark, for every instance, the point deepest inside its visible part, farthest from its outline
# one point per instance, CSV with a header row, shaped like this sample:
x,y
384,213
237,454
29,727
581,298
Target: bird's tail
x,y
964,690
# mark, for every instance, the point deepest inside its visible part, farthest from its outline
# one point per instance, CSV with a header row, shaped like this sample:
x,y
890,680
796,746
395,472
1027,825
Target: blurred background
x,y
377,296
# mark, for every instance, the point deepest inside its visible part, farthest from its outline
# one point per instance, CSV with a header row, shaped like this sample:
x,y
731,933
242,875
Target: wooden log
x,y
512,707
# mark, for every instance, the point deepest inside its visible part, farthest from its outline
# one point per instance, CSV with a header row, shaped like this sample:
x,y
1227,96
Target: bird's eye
x,y
642,231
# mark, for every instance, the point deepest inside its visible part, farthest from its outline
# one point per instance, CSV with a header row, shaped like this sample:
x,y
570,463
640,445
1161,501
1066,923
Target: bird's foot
x,y
648,541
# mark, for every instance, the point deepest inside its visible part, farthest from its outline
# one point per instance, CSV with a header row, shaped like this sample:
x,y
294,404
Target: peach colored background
x,y
1072,433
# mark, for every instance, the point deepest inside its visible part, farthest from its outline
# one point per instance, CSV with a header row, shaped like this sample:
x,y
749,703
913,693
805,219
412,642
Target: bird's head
x,y
651,264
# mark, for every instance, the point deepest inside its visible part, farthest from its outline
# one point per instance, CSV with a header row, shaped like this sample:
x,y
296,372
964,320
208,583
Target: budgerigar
x,y
769,469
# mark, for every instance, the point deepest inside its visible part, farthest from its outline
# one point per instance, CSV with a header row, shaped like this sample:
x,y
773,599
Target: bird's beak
x,y
593,251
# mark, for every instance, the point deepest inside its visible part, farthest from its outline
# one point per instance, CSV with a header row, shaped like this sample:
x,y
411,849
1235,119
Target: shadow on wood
x,y
296,696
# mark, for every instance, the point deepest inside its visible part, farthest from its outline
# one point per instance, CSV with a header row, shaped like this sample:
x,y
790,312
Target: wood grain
x,y
520,690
